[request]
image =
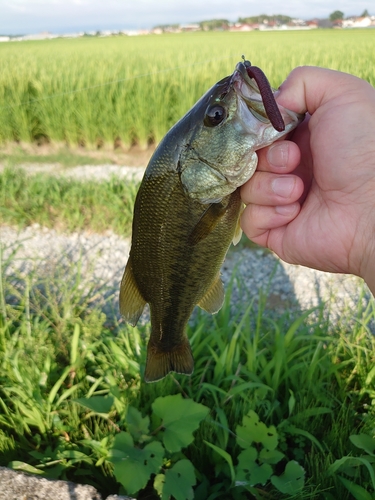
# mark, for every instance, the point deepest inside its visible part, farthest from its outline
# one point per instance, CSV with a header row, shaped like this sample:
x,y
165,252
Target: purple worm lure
x,y
265,90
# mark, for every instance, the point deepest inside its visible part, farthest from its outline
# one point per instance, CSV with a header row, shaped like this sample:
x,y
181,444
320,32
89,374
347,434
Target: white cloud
x,y
30,16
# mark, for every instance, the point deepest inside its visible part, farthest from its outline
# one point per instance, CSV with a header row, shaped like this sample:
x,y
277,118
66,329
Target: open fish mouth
x,y
251,85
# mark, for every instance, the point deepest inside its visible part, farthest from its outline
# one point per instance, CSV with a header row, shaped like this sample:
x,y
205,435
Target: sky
x,y
69,16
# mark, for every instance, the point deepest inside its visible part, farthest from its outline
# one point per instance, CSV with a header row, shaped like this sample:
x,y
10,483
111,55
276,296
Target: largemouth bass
x,y
186,214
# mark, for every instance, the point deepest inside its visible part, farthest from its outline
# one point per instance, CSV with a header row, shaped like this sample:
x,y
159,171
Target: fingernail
x,y
286,209
283,185
278,154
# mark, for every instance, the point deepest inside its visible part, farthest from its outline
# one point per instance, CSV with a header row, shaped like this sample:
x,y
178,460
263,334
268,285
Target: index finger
x,y
281,157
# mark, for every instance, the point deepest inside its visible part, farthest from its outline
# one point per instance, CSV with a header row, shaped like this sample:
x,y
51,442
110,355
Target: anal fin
x,y
214,297
131,301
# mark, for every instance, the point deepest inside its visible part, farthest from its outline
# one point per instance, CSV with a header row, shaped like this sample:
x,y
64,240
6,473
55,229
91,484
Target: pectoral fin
x,y
214,298
237,234
207,223
131,301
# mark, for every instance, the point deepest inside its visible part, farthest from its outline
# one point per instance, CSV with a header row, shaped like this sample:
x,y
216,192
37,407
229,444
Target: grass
x,y
126,90
312,381
66,204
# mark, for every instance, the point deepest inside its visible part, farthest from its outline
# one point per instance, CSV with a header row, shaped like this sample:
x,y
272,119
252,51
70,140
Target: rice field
x,y
122,91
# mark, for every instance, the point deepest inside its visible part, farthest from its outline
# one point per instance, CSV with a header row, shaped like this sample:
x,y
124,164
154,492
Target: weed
x,y
71,394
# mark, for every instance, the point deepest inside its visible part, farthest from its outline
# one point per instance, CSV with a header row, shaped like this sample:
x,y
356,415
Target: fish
x,y
187,212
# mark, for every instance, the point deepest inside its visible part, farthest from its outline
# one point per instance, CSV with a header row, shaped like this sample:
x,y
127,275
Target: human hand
x,y
324,217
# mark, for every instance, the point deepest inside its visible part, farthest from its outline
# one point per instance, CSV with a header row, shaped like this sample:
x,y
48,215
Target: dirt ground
x,y
24,152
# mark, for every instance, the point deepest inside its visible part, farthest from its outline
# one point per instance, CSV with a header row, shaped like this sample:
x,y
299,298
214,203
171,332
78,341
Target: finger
x,y
257,221
307,88
279,157
268,189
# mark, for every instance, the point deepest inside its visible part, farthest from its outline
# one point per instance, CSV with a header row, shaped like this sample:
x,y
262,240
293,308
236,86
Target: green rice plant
x,y
96,91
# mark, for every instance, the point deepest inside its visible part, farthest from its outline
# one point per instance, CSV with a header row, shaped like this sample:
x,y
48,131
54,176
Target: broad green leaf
x,y
134,466
364,441
180,418
249,472
159,482
357,491
177,482
23,466
252,430
270,456
291,480
97,404
138,426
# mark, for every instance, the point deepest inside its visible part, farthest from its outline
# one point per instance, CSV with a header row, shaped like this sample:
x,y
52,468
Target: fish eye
x,y
214,115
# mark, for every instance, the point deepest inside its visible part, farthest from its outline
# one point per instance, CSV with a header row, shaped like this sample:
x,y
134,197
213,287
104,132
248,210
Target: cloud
x,y
31,16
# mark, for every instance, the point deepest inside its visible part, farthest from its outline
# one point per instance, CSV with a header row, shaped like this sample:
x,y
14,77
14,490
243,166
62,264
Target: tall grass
x,y
128,90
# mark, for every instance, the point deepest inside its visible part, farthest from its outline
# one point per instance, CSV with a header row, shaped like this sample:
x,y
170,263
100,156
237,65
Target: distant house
x,y
313,23
243,27
190,27
4,38
357,22
45,35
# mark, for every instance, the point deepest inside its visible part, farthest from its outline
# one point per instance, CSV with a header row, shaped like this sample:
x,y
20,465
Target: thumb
x,y
308,87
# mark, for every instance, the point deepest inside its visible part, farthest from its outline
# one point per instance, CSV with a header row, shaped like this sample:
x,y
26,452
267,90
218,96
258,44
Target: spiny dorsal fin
x,y
207,223
131,301
214,298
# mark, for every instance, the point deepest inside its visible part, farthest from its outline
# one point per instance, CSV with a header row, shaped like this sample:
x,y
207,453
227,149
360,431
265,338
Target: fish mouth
x,y
248,91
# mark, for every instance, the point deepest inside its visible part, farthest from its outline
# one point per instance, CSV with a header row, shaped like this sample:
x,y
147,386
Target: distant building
x,y
190,27
357,22
243,27
45,35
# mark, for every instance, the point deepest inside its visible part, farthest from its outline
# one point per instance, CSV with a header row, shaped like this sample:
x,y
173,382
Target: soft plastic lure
x,y
268,98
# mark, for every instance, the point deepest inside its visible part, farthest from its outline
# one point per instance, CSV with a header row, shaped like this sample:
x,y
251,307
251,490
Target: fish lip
x,y
240,75
245,86
247,89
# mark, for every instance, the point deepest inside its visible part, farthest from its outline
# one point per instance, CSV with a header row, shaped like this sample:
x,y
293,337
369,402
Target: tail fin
x,y
159,363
